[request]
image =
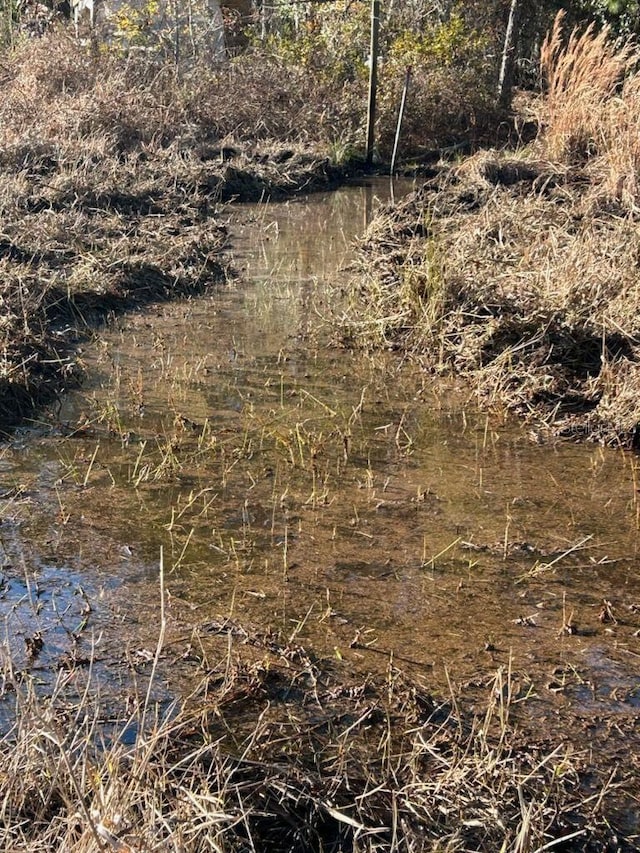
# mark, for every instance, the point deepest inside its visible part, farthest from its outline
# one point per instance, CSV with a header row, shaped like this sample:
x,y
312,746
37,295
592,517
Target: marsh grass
x,y
277,750
520,271
271,462
589,111
582,74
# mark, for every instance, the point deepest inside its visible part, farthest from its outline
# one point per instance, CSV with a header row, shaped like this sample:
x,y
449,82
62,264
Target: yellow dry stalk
x,y
422,293
582,75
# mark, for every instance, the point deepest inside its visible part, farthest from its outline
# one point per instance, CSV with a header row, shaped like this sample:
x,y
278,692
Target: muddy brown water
x,y
345,499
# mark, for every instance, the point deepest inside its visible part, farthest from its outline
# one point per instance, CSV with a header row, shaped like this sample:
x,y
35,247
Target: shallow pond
x,y
344,499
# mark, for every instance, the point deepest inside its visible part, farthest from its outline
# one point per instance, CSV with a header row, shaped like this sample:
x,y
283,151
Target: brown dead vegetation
x,y
522,272
276,750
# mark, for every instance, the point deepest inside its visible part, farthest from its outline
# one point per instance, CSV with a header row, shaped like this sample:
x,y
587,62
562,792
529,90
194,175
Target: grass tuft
x,y
367,766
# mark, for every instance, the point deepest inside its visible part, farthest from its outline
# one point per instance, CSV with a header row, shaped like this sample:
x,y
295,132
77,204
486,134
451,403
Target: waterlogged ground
x,y
342,499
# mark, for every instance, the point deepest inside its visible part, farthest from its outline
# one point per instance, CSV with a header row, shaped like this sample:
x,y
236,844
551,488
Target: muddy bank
x,y
520,275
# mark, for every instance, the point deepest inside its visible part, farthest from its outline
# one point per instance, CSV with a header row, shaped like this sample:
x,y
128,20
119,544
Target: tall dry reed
x,y
591,108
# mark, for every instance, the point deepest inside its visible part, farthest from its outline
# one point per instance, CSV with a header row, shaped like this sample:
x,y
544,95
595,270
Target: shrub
x,y
452,93
451,99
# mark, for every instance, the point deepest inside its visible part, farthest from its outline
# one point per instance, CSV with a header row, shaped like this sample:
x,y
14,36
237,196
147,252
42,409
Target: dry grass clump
x,y
58,91
446,107
259,98
581,74
589,111
526,285
284,754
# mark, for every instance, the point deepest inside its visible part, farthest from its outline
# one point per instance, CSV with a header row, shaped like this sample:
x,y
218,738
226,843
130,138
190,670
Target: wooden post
x,y
373,79
263,21
505,80
403,102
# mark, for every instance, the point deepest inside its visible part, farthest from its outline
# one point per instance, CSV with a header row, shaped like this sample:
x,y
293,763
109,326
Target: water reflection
x,y
346,497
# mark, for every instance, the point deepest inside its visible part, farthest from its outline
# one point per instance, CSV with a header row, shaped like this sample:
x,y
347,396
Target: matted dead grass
x,y
521,277
276,750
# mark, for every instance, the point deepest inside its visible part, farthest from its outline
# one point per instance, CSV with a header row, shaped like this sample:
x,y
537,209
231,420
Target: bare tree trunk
x,y
7,9
192,31
176,42
373,79
263,21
